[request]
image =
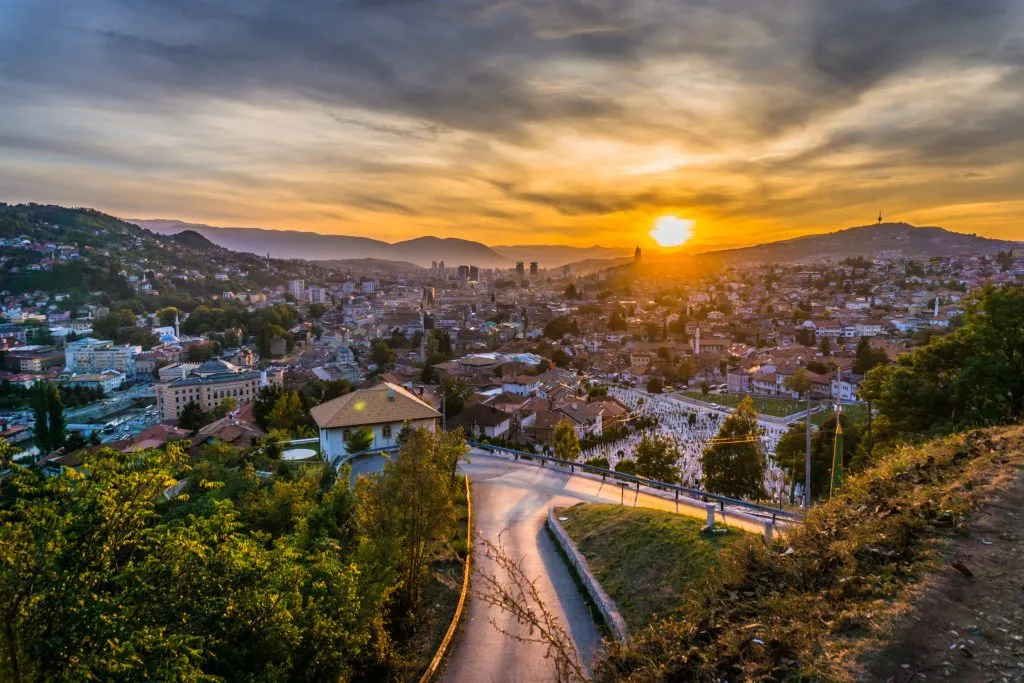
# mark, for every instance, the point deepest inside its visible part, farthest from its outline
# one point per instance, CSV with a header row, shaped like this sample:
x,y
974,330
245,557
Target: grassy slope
x,y
647,560
812,611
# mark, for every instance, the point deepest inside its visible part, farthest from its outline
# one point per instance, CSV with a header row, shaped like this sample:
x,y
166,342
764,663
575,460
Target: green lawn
x,y
768,405
858,414
649,561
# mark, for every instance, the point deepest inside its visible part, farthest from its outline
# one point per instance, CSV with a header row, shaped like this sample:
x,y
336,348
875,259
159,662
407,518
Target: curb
x,y
446,642
605,605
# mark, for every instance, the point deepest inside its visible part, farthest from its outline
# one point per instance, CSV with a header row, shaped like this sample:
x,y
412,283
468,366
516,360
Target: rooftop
x,y
383,403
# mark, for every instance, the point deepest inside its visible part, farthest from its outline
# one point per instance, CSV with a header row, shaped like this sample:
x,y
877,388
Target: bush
x,y
626,466
834,583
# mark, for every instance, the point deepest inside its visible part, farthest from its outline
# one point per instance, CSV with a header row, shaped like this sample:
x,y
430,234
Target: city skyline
x,y
573,123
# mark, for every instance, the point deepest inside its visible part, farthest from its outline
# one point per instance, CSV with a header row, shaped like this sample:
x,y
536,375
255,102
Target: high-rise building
x,y
463,273
90,355
441,273
474,274
534,270
520,271
636,255
297,288
316,295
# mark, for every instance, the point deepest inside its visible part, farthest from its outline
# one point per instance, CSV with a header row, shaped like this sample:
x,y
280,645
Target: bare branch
x,y
512,591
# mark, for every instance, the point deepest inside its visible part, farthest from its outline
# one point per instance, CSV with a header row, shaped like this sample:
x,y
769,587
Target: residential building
x,y
383,409
483,420
96,355
297,288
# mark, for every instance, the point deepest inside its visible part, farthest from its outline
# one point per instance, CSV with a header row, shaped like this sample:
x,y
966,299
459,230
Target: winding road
x,y
515,496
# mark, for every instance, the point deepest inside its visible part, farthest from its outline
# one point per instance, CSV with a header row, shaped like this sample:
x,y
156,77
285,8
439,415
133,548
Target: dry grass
x,y
807,610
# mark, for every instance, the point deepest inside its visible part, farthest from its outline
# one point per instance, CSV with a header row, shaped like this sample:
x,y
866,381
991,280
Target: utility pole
x,y
807,462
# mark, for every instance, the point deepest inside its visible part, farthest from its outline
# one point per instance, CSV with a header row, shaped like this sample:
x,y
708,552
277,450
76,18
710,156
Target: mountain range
x,y
895,240
294,244
882,240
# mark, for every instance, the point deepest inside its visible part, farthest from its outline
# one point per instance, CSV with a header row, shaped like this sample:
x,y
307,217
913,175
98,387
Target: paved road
x,y
516,496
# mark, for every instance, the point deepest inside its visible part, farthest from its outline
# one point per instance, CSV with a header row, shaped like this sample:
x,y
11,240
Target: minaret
x,y
177,328
696,343
935,312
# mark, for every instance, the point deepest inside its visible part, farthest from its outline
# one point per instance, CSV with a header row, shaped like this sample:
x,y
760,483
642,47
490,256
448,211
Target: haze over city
x,y
519,122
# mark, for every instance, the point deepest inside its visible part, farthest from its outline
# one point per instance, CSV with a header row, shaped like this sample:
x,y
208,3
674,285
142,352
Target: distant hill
x,y
557,255
193,240
109,250
885,240
594,265
294,244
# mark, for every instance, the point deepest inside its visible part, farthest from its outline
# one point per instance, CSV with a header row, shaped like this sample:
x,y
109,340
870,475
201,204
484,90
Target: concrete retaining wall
x,y
609,612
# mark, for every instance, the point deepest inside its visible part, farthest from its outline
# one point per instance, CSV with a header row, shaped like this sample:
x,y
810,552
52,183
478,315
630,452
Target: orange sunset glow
x,y
521,123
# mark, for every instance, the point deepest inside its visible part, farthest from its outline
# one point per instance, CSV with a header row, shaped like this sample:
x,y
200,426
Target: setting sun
x,y
671,231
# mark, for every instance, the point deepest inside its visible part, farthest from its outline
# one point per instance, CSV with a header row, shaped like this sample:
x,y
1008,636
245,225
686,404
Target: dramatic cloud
x,y
519,120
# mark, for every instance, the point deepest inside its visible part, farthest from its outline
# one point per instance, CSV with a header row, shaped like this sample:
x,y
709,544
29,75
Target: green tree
x,y
657,458
654,385
182,585
167,315
381,353
41,429
556,328
566,443
316,311
7,452
200,353
626,466
616,322
358,440
790,453
799,382
404,516
193,417
288,413
867,358
734,463
825,347
973,376
455,392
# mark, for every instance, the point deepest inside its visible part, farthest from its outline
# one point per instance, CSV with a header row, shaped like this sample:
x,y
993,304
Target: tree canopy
x,y
734,463
973,376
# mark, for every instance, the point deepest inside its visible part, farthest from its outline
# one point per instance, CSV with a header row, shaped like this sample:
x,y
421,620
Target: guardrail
x,y
342,460
650,483
605,605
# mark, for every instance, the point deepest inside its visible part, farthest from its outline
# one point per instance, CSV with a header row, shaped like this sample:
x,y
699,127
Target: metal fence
x,y
643,481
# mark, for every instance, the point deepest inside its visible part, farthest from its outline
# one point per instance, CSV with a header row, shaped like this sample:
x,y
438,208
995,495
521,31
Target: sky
x,y
520,121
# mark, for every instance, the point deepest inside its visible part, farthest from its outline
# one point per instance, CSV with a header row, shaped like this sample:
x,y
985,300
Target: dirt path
x,y
967,627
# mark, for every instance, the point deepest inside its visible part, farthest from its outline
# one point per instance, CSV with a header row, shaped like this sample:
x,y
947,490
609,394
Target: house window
x,y
385,431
